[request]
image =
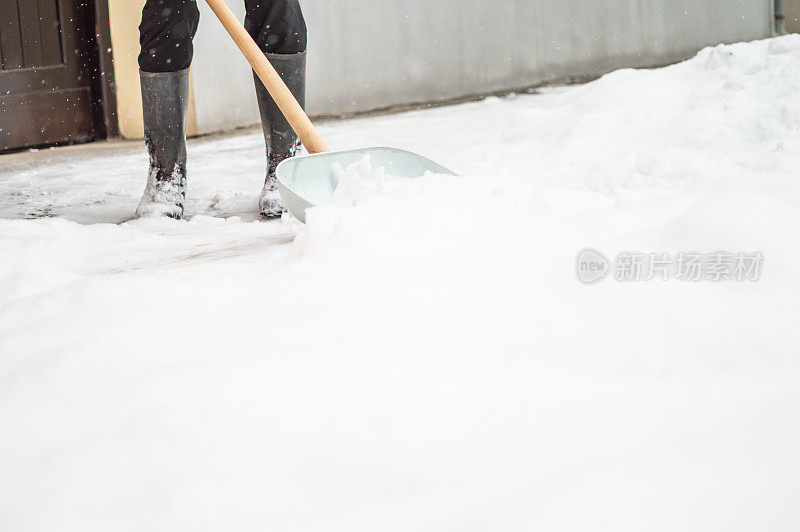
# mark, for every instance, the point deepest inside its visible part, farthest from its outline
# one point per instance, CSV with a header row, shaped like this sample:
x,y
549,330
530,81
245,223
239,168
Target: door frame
x,y
104,90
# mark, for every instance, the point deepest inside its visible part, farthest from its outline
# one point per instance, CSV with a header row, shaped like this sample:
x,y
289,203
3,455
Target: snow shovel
x,y
311,180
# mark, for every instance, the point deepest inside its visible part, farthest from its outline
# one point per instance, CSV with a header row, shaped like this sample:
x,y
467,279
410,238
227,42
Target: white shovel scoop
x,y
311,180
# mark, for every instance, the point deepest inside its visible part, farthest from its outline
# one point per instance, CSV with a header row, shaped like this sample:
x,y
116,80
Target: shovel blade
x,y
310,180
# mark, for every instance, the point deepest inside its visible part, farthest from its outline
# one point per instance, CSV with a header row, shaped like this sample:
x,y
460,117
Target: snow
x,y
164,198
353,184
426,359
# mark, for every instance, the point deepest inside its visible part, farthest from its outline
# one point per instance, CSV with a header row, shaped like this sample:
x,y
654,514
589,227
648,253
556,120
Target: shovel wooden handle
x,y
286,101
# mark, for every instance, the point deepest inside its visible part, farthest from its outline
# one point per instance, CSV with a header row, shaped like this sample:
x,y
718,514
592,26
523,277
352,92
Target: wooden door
x,y
48,56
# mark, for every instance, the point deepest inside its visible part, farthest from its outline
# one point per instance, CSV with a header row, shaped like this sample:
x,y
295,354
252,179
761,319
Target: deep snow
x,y
426,360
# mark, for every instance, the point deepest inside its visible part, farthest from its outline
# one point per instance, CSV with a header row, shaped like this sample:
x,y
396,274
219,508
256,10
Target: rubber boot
x,y
281,140
165,96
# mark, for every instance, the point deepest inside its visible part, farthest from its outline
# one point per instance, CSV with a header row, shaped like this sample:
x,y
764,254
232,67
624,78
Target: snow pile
x,y
352,184
425,359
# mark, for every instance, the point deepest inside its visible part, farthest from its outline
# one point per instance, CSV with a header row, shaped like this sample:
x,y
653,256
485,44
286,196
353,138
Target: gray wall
x,y
792,14
369,54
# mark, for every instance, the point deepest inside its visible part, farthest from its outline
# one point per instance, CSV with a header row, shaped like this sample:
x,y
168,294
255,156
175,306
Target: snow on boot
x,y
281,140
164,102
270,203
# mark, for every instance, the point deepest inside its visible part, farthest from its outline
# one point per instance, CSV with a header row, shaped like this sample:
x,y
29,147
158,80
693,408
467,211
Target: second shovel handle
x,y
283,97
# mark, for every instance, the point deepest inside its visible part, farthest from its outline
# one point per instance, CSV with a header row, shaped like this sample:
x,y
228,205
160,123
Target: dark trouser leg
x,y
277,26
279,29
166,33
166,37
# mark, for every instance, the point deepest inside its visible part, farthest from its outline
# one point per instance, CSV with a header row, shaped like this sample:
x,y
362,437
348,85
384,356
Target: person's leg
x,y
277,26
279,29
166,33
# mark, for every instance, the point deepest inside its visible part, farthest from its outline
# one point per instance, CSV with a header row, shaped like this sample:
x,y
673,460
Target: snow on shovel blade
x,y
311,180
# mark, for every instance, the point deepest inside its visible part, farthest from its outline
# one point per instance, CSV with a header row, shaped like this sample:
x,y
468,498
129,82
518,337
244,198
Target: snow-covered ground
x,y
427,360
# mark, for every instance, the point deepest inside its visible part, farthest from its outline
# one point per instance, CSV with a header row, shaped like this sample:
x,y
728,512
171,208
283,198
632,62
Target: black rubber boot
x,y
165,96
281,140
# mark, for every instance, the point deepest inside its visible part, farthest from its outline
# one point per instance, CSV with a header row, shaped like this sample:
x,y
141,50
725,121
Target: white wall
x,y
222,79
368,54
